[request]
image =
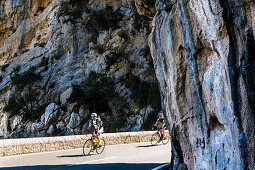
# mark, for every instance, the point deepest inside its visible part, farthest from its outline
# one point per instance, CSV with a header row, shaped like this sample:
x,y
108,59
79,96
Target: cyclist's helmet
x,y
161,114
93,114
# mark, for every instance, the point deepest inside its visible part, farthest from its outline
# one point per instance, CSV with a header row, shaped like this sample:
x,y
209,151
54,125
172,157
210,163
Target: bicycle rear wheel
x,y
165,140
155,139
87,147
100,148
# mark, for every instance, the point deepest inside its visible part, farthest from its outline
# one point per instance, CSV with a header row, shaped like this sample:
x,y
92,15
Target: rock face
x,y
203,53
61,60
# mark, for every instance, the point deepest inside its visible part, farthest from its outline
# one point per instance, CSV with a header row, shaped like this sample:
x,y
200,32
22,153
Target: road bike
x,y
92,144
155,139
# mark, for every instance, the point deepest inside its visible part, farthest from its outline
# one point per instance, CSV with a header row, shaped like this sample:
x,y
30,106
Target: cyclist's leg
x,y
163,130
160,131
96,137
93,137
99,133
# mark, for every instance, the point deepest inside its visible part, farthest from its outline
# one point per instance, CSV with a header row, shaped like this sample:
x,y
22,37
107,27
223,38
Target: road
x,y
125,156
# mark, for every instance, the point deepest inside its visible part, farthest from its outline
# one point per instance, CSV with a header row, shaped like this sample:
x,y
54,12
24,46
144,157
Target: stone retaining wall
x,y
31,145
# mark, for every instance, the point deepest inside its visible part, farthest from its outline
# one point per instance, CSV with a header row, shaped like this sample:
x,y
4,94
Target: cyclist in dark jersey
x,y
160,122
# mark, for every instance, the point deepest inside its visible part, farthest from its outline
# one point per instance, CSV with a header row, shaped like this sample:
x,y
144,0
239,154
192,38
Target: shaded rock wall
x,y
203,53
54,56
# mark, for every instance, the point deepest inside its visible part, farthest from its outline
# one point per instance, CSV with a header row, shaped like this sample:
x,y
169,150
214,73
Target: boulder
x,y
15,121
66,95
52,113
138,121
84,112
61,126
116,42
69,132
3,126
85,127
145,112
74,121
77,131
36,127
41,133
103,38
50,131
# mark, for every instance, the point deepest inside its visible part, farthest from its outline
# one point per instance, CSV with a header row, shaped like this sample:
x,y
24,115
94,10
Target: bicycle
x,y
91,146
155,139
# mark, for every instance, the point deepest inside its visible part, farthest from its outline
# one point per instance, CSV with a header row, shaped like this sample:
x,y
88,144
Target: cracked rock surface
x,y
203,53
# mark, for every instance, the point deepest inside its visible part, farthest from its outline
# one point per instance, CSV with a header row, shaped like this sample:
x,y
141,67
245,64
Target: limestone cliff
x,y
203,52
79,56
63,59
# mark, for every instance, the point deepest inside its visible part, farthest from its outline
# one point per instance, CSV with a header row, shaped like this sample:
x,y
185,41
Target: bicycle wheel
x,y
165,140
155,139
87,147
100,148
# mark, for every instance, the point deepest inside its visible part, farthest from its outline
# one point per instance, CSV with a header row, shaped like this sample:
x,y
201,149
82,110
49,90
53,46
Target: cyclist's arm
x,y
156,123
163,124
98,125
89,126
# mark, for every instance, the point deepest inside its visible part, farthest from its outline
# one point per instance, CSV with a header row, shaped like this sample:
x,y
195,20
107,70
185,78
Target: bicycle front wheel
x,y
165,140
100,147
155,139
87,147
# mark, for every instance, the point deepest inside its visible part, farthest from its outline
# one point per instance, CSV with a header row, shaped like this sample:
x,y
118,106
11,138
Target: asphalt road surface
x,y
126,156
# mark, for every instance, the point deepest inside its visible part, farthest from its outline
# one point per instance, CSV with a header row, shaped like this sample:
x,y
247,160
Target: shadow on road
x,y
107,166
146,146
70,156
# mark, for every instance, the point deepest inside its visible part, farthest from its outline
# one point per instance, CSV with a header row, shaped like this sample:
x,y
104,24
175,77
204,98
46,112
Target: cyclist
x,y
93,128
161,123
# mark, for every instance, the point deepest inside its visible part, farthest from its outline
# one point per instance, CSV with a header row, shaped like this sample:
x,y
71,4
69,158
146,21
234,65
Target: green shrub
x,y
124,35
100,49
145,51
3,67
44,62
13,106
25,79
16,69
97,94
26,105
74,9
56,57
25,100
96,91
104,19
116,56
114,124
143,93
149,122
141,22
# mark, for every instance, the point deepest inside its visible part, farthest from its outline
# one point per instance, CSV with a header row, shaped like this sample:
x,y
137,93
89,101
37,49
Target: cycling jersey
x,y
100,121
94,123
161,120
160,123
